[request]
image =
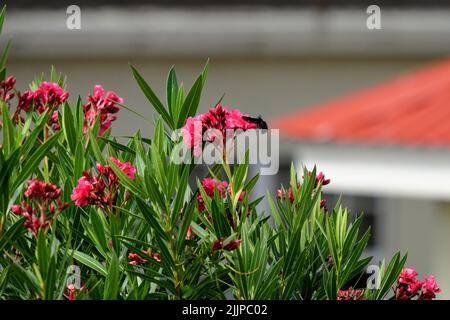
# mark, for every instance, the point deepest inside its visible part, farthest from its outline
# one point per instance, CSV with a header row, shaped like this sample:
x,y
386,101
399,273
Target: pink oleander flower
x,y
408,286
100,190
192,134
136,259
54,121
42,190
25,100
49,95
230,246
235,120
350,294
241,195
201,203
32,221
189,234
214,123
89,190
320,177
126,167
71,291
281,194
43,195
156,257
109,173
209,184
101,106
217,245
429,288
6,89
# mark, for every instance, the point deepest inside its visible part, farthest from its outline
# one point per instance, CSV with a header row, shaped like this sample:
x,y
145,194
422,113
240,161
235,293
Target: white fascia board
x,y
380,171
151,31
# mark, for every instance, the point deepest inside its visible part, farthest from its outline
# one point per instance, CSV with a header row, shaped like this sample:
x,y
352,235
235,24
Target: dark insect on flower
x,y
260,123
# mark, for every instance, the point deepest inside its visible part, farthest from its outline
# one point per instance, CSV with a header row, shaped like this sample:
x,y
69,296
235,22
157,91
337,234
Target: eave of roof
x,y
411,110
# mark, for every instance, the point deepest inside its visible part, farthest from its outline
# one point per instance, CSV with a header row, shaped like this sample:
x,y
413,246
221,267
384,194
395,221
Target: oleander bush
x,y
84,215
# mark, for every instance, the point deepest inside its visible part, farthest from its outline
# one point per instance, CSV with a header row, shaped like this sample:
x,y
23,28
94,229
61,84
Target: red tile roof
x,y
411,110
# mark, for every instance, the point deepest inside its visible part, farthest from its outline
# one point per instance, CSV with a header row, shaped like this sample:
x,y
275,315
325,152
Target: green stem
x,y
46,165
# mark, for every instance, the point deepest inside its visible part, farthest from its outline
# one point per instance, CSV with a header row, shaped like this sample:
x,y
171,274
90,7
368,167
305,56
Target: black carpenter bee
x,y
260,123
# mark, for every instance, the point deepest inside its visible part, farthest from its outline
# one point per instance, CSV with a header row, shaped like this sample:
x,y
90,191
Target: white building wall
x,y
413,187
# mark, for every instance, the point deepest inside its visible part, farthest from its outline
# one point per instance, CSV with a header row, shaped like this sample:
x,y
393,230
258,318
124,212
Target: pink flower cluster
x,y
101,106
214,124
48,96
350,294
89,190
209,184
281,194
320,178
230,246
136,259
43,194
100,190
72,292
6,89
25,100
42,190
408,286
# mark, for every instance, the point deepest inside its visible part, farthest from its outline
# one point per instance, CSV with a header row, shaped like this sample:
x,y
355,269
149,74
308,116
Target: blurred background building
x,y
275,58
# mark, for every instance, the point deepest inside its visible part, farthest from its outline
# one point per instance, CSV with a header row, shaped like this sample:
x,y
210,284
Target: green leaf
x,y
68,125
99,229
95,148
192,101
150,217
112,284
151,96
2,17
5,53
42,254
186,221
13,232
78,160
126,181
172,92
9,141
32,162
89,261
30,140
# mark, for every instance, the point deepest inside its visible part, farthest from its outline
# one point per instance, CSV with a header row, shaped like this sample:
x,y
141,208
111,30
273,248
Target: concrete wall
x,y
422,229
265,86
412,207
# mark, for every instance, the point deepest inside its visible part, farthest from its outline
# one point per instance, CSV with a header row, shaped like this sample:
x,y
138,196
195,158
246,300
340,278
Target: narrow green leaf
x,y
151,96
69,128
95,148
112,284
13,232
90,262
